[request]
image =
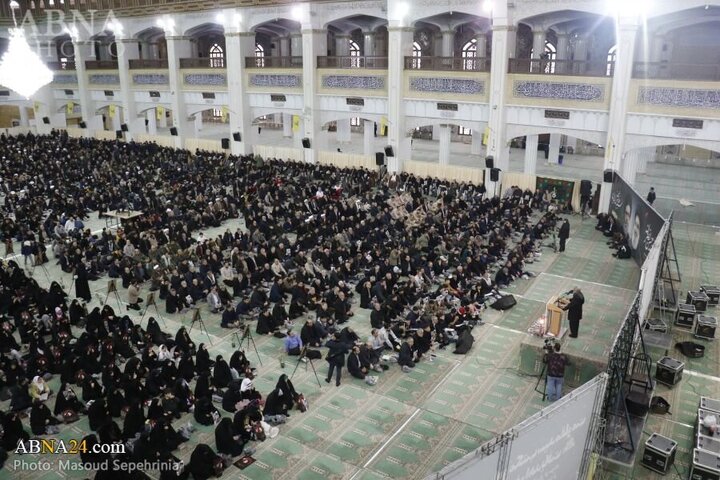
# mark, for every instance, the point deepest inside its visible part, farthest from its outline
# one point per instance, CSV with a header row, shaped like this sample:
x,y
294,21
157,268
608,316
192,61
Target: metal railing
x,y
448,64
101,64
274,62
144,63
353,62
61,65
579,68
203,62
676,71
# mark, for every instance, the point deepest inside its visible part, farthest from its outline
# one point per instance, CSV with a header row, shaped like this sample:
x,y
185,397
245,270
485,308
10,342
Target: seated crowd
x,y
424,256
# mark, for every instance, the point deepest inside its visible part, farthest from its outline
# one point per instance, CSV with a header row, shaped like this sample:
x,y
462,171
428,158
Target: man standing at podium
x,y
574,309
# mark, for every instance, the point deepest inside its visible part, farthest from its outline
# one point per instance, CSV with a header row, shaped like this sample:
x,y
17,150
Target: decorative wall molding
x,y
269,80
679,97
447,85
583,92
65,79
212,79
365,82
104,79
150,79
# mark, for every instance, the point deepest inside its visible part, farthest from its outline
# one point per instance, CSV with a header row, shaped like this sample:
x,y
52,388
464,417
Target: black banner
x,y
637,218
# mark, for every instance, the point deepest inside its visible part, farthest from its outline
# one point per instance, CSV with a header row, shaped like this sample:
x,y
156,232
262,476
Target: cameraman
x,y
556,363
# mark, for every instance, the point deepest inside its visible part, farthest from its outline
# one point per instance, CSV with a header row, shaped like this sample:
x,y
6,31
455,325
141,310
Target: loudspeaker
x,y
505,302
489,162
82,124
147,122
118,134
306,142
225,142
637,403
173,131
237,137
585,188
379,158
46,120
124,127
608,176
389,151
494,174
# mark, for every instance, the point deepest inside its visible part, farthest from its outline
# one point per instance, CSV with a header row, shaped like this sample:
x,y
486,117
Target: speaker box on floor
x,y
82,124
306,142
124,127
173,131
585,188
225,143
494,174
489,162
237,137
118,134
638,403
379,158
505,302
608,176
389,151
46,120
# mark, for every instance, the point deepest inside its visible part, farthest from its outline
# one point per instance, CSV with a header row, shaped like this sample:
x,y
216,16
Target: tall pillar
x,y
627,28
437,45
400,40
630,164
444,144
476,141
287,125
531,152
481,45
198,124
563,46
538,43
239,43
448,43
116,121
343,130
554,150
127,50
177,48
84,50
296,44
151,117
24,120
580,54
285,46
342,45
368,136
369,44
503,45
314,44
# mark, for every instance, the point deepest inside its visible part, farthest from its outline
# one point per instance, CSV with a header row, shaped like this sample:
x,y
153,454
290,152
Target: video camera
x,y
549,345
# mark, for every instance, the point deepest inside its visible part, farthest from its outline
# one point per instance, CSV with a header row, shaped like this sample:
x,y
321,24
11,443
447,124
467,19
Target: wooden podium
x,y
555,316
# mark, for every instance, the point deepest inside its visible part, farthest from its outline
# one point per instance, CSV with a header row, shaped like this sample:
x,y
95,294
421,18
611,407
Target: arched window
x,y
469,55
416,53
217,57
354,50
612,53
547,59
259,55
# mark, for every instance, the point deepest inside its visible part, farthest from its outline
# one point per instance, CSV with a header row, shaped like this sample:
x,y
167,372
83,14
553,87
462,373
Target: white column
x,y
127,50
444,145
24,121
287,125
116,120
369,44
476,141
198,124
554,151
580,54
481,39
531,152
400,40
645,155
151,116
177,48
563,46
296,44
437,45
503,45
238,44
285,46
614,149
314,44
538,43
448,43
630,164
342,45
83,50
368,136
343,130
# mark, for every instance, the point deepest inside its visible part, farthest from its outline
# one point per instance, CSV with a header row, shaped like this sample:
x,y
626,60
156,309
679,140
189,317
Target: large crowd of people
x,y
424,256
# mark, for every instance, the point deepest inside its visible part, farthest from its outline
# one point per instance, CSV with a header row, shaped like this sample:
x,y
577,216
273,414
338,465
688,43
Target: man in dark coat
x,y
336,357
574,309
82,287
564,234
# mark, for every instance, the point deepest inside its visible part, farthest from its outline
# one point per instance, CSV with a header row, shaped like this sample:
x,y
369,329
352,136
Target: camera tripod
x,y
541,377
246,336
150,300
303,355
44,269
112,288
197,318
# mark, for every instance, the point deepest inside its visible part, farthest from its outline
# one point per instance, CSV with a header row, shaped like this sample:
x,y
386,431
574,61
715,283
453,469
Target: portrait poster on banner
x,y
637,218
561,190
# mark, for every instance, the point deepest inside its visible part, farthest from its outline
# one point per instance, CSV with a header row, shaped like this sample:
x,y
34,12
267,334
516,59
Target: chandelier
x,y
21,69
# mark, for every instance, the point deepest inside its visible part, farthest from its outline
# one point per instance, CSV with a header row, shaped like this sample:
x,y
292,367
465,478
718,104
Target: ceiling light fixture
x,y
21,69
